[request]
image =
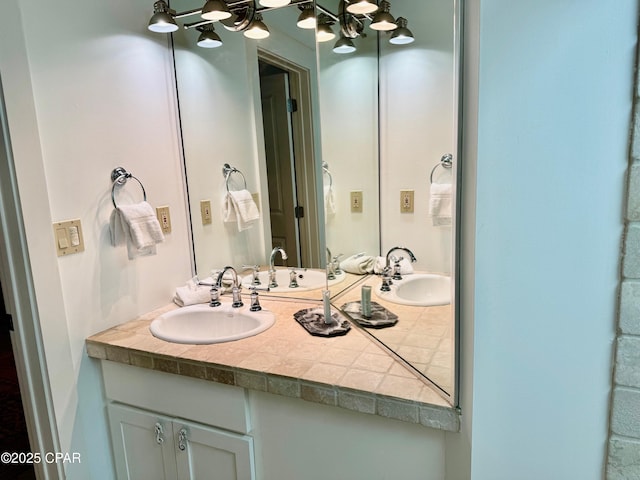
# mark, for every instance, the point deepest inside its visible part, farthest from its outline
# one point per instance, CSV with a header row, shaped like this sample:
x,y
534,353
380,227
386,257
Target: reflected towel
x,y
239,207
440,203
138,227
329,202
359,264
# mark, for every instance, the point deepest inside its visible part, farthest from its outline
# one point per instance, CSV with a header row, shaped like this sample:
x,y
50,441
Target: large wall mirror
x,y
369,162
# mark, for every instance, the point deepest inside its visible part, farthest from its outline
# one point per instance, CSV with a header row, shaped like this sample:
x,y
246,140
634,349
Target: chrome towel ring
x,y
445,162
119,177
227,170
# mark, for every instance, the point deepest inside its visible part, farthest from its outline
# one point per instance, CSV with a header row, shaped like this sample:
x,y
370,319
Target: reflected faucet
x,y
331,272
386,278
235,290
272,267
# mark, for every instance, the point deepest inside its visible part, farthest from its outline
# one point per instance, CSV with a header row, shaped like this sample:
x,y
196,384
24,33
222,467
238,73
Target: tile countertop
x,y
350,371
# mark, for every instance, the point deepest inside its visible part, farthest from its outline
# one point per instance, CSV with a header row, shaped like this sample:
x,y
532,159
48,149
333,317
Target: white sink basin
x,y
419,289
202,324
307,280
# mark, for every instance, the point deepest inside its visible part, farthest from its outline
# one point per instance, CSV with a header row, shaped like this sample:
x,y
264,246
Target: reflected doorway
x,y
288,136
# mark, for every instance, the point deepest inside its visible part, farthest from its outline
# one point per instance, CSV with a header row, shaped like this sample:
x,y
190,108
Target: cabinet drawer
x,y
222,406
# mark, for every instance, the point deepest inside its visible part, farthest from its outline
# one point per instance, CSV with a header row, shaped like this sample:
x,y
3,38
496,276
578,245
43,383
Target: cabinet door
x,y
205,453
142,444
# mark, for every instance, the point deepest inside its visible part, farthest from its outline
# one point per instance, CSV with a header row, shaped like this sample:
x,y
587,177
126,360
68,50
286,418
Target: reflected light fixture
x,y
162,20
401,35
307,18
344,45
274,3
208,37
324,33
383,20
361,7
257,29
215,10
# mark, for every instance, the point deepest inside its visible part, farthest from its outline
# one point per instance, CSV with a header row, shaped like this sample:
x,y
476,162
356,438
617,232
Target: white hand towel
x,y
192,293
138,227
440,203
358,264
239,207
329,201
381,262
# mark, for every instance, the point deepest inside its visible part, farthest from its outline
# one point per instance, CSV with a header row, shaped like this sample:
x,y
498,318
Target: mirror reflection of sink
x,y
202,324
307,280
419,289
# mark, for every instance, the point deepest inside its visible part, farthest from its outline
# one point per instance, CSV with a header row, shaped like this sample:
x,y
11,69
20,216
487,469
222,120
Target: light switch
x,y
356,202
205,211
164,218
68,237
406,201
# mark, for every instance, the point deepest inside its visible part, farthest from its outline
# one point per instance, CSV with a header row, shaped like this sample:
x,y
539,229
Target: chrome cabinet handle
x,y
182,439
159,433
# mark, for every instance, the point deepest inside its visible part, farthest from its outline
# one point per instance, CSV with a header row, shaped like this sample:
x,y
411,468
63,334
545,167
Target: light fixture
x,y
215,10
162,20
274,3
324,32
383,20
208,37
401,35
344,45
257,29
307,18
361,7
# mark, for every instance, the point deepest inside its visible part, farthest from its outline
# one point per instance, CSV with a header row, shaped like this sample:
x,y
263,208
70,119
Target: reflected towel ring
x,y
227,170
445,162
119,177
325,169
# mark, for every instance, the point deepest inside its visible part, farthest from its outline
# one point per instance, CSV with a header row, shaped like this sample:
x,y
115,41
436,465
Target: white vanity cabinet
x,y
170,427
151,446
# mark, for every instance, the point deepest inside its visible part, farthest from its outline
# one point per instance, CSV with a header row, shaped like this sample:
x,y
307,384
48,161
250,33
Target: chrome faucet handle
x,y
237,298
331,273
397,268
255,274
272,278
293,279
386,281
215,297
336,264
255,303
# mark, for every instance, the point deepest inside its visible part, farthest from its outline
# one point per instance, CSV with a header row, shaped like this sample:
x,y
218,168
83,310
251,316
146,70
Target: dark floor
x,y
13,430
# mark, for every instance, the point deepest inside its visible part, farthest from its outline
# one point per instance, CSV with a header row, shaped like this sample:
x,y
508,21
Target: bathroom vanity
x,y
179,409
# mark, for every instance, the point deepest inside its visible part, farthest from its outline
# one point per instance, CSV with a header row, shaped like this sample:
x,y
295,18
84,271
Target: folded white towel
x,y
138,227
440,203
239,207
358,264
329,201
405,265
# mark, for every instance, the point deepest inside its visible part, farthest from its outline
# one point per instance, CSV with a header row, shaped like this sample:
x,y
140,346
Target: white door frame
x,y
19,296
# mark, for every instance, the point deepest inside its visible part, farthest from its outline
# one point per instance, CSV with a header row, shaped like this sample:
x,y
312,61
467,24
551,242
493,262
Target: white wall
x,y
98,83
554,104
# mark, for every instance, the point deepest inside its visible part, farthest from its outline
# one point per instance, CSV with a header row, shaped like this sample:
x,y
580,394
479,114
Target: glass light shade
x,y
215,10
325,33
344,45
307,18
274,3
361,7
257,30
162,22
209,39
401,35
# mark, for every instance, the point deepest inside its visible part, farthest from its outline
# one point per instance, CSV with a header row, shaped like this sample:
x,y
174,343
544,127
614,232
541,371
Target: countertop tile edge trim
x,y
431,416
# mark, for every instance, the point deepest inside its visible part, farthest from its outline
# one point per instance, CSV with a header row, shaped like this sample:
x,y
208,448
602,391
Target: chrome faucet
x,y
235,290
272,267
386,274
